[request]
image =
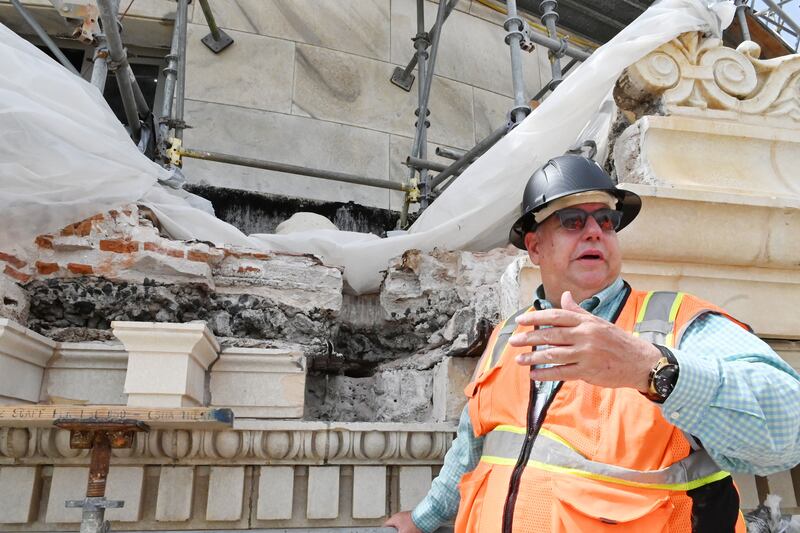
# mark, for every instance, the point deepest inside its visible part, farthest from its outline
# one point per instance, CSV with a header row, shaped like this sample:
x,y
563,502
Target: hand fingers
x,y
558,336
556,373
551,317
556,355
568,303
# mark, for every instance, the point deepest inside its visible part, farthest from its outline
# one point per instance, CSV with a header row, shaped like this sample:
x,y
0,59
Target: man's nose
x,y
592,229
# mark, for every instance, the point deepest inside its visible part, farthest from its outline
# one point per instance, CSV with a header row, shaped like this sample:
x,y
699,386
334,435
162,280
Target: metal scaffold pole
x,y
180,88
177,48
741,15
37,28
516,36
132,100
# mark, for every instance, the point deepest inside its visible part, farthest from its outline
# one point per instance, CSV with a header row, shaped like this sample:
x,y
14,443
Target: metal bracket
x,y
86,15
94,504
413,193
215,46
400,79
174,152
523,30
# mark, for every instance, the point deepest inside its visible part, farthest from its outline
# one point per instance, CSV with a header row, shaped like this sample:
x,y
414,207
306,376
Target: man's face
x,y
583,261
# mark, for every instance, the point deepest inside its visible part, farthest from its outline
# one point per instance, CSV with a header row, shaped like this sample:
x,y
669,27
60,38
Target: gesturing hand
x,y
584,347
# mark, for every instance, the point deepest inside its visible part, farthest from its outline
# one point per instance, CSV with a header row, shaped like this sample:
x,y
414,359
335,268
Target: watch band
x,y
666,352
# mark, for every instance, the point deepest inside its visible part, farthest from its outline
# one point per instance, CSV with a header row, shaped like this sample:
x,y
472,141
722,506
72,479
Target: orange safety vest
x,y
602,460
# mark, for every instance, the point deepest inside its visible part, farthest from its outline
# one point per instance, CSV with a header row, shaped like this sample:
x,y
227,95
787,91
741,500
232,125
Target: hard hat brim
x,y
628,202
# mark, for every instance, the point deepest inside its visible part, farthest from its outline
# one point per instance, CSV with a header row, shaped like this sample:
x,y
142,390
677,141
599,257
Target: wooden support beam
x,y
154,417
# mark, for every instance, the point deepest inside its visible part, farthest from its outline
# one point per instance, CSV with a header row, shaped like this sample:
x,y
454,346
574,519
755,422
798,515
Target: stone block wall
x,y
307,83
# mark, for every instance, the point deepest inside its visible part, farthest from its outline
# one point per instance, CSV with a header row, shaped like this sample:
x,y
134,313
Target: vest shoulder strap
x,y
494,350
655,321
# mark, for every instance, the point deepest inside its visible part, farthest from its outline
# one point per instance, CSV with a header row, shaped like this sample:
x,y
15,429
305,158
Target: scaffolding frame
x,y
425,179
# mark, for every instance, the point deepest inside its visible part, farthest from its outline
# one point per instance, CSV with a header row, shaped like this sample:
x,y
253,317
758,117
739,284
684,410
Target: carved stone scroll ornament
x,y
692,74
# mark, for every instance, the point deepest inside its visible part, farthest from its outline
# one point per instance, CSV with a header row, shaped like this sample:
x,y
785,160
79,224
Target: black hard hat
x,y
563,176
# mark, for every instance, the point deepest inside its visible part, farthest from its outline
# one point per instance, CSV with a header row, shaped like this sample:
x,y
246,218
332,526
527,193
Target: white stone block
x,y
369,491
323,492
125,483
259,382
348,89
175,490
256,72
67,483
326,146
491,112
484,63
93,372
166,362
225,493
449,379
781,484
275,493
748,493
415,481
354,26
18,491
23,356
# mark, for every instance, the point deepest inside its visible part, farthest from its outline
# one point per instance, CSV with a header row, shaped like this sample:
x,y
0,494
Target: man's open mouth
x,y
591,255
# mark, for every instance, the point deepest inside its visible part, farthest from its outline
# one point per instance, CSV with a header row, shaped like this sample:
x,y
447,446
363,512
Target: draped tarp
x,y
64,156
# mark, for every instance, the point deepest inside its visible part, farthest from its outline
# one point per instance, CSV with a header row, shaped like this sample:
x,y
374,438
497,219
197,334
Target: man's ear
x,y
532,245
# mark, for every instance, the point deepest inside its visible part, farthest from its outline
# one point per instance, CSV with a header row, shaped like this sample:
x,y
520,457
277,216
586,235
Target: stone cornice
x,y
262,442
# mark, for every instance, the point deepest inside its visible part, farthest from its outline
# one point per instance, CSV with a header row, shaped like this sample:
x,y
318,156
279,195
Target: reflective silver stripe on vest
x,y
655,325
695,470
502,338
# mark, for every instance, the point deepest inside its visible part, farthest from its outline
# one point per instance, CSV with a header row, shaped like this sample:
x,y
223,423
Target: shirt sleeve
x,y
737,396
441,503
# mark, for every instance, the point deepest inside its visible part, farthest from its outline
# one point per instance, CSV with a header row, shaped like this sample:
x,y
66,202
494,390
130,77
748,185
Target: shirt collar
x,y
595,305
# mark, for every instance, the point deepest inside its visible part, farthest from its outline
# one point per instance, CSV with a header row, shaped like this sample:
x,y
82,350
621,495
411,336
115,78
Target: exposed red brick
x,y
16,274
46,268
172,252
77,268
119,246
12,260
45,241
193,255
247,268
114,213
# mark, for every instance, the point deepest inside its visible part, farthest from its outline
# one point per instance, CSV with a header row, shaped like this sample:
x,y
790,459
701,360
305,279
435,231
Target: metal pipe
x,y
472,154
180,84
550,17
556,45
170,75
37,28
432,33
549,86
119,64
425,86
741,15
450,153
785,16
514,40
291,169
212,24
141,102
99,66
416,162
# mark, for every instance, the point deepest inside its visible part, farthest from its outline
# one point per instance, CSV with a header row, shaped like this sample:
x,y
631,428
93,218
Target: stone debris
x,y
370,358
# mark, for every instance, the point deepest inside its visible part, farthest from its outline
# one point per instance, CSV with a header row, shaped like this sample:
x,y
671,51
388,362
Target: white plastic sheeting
x,y
64,156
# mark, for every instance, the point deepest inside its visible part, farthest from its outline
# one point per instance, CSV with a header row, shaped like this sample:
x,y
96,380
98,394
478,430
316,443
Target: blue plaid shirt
x,y
734,394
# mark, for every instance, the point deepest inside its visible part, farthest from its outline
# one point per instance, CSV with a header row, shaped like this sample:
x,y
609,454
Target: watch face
x,y
665,379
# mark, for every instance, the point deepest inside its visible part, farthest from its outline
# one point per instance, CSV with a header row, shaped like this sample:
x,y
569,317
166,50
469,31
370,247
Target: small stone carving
x,y
692,73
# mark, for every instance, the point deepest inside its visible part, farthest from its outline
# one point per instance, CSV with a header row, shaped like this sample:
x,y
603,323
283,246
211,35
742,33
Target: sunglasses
x,y
574,219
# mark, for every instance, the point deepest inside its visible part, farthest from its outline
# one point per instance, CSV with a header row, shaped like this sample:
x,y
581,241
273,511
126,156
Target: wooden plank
x,y
155,417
